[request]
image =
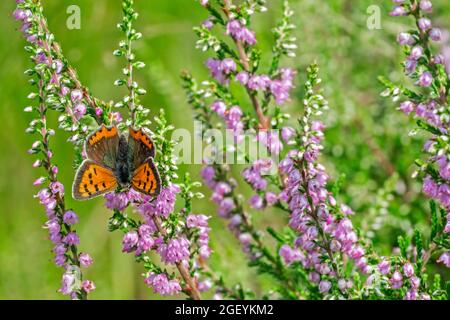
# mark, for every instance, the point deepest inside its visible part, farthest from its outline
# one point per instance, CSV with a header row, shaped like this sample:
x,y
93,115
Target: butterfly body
x,y
117,162
122,169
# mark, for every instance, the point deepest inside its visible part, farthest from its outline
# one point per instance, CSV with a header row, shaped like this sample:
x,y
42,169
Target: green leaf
x,y
419,247
428,127
435,224
277,236
403,243
448,289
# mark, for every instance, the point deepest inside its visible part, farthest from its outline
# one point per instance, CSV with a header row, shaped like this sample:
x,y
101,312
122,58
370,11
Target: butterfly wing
x,y
92,180
102,146
146,178
140,147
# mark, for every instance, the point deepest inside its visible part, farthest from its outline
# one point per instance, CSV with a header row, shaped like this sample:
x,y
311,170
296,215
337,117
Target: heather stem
x,y
263,120
92,101
52,177
191,289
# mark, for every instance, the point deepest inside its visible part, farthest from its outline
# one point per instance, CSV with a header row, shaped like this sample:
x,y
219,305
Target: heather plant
x,y
181,238
321,249
427,101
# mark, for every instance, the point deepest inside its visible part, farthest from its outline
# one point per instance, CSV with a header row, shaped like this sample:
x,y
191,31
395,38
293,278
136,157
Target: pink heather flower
x,y
208,24
85,259
426,5
64,90
424,24
445,259
242,77
59,249
245,239
407,107
164,203
226,206
117,201
447,227
405,39
228,66
146,241
59,65
98,111
256,202
219,107
444,169
271,140
384,267
162,285
289,255
271,198
398,11
240,33
130,241
435,34
204,2
233,119
88,286
76,95
71,239
280,88
408,270
410,65
208,174
425,79
20,14
430,188
205,285
415,282
345,209
247,36
215,68
60,260
287,133
57,187
416,53
396,280
176,250
41,58
258,82
70,218
411,294
116,117
233,27
79,110
68,282
39,181
196,221
324,286
314,277
37,163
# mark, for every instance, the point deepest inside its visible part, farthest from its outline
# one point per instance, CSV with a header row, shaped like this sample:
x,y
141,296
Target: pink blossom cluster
x,y
279,87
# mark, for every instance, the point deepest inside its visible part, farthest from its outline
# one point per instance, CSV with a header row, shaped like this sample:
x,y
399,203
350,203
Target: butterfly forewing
x,y
102,146
93,180
146,178
140,147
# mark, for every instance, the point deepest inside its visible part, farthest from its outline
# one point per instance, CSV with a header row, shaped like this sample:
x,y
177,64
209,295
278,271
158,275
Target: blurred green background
x,y
367,139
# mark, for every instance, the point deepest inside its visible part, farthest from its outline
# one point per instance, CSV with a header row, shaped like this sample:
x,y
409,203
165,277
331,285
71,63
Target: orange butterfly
x,y
115,162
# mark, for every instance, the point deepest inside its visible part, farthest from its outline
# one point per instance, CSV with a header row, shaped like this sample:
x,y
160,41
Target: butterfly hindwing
x,y
102,146
92,180
146,178
140,147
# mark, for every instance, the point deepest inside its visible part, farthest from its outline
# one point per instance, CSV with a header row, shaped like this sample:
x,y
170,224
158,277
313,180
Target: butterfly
x,y
117,163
